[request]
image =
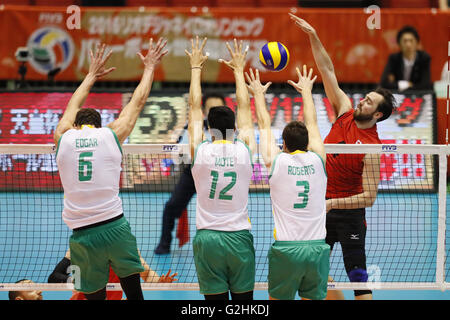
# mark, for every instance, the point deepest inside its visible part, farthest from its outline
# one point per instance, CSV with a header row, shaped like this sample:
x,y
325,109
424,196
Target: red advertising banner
x,y
358,41
32,118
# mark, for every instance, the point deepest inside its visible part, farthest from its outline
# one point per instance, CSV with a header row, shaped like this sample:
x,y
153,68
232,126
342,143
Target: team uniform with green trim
x,y
224,254
299,258
89,164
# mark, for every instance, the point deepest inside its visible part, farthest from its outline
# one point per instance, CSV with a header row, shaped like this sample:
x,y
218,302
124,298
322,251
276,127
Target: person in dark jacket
x,y
408,69
185,188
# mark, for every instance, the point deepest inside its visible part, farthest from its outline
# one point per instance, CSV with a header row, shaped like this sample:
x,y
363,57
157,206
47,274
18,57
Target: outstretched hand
x,y
305,82
305,26
254,84
196,57
168,278
238,56
98,61
154,54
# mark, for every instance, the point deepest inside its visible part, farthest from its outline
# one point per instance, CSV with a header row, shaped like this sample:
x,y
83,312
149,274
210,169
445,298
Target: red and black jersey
x,y
345,170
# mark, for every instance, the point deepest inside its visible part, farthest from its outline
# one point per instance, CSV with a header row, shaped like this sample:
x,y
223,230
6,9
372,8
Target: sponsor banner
x,y
32,118
358,41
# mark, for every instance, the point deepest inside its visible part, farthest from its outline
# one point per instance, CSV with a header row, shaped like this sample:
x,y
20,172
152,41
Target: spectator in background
x,y
25,295
409,68
444,4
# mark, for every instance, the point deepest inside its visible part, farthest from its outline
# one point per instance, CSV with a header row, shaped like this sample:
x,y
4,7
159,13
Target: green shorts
x,y
299,266
94,249
224,261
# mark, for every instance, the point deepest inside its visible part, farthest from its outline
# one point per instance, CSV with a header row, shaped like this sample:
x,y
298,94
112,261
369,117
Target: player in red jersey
x,y
352,179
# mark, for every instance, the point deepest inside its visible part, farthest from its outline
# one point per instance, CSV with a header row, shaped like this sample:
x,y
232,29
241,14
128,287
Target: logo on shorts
x,y
354,237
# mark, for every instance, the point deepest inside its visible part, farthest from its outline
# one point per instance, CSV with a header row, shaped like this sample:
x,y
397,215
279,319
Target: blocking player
x,y
299,257
223,248
89,161
352,179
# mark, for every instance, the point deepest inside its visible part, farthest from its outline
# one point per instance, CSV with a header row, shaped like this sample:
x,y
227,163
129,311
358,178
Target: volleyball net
x,y
408,229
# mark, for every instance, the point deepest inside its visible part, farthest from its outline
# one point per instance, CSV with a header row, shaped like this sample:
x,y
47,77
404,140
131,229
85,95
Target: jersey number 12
x,y
223,194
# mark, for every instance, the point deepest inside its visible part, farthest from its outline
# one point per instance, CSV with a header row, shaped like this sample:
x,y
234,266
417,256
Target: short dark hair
x,y
295,136
387,105
88,116
407,29
12,295
210,95
221,118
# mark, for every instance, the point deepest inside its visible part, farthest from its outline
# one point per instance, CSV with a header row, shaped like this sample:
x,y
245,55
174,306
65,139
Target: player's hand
x,y
98,60
238,56
168,278
254,84
155,53
305,26
196,57
305,82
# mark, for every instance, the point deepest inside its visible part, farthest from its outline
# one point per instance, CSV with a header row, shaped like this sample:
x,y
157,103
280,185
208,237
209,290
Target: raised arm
x,y
124,124
97,70
268,148
195,124
370,180
244,114
304,87
339,100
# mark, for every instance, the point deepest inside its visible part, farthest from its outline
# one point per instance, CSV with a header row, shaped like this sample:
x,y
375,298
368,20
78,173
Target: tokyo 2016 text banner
x,y
359,48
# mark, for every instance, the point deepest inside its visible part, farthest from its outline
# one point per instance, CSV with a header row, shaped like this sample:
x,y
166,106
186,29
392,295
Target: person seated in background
x,y
408,69
25,295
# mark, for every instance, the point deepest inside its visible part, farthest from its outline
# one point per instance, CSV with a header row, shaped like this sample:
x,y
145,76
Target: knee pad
x,y
358,275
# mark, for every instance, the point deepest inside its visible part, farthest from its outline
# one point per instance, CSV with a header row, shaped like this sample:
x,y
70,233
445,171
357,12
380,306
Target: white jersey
x,y
89,163
222,171
298,184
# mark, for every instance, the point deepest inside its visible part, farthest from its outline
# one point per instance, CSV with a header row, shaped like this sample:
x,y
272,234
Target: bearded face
x,y
367,108
358,115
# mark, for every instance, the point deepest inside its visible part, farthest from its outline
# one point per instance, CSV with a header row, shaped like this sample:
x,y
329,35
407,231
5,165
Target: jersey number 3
x,y
304,195
222,194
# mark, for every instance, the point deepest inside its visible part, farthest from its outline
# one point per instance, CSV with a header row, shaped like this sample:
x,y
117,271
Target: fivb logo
x,y
169,148
389,148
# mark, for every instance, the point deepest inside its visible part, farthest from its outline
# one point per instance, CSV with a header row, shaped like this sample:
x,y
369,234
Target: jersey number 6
x,y
84,166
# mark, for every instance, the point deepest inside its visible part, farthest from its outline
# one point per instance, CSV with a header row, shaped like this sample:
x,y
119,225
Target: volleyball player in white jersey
x,y
222,169
89,162
299,257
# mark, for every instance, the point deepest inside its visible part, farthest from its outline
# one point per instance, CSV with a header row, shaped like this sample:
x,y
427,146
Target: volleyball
x,y
274,56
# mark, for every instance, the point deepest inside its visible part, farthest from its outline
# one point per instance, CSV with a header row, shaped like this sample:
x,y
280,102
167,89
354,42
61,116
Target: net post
x,y
442,201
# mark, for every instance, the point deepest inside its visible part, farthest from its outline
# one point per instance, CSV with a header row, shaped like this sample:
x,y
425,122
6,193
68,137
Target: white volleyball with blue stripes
x,y
274,56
